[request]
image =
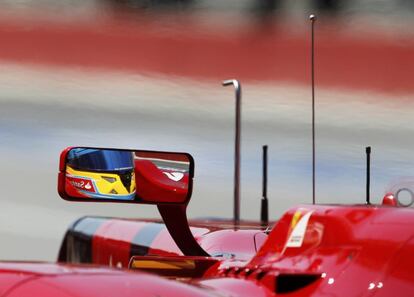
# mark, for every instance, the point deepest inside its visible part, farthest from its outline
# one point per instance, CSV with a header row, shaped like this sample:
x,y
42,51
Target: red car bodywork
x,y
345,251
47,280
111,241
312,250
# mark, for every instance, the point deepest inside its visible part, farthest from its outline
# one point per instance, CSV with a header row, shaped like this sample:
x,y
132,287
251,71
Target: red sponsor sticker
x,y
82,184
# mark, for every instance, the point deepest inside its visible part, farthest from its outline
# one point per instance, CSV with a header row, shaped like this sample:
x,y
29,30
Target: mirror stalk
x,y
175,219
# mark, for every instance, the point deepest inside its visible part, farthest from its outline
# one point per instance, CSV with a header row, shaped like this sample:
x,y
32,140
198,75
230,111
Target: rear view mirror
x,y
133,176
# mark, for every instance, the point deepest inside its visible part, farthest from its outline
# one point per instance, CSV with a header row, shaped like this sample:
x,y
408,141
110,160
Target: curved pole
x,y
237,87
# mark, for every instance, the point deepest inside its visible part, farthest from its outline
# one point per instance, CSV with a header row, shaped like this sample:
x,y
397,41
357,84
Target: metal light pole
x,y
237,88
264,213
312,18
368,153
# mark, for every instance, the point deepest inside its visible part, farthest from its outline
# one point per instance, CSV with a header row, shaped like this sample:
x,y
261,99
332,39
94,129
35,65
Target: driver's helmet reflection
x,y
100,173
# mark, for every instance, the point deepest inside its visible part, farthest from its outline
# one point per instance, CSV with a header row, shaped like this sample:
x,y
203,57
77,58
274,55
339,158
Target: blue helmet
x,y
101,160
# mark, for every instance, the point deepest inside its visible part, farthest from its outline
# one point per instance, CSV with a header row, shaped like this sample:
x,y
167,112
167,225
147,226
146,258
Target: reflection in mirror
x,y
162,177
125,175
98,173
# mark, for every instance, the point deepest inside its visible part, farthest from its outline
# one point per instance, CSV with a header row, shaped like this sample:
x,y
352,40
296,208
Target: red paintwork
x,y
351,250
163,243
389,199
153,184
62,172
57,280
352,246
159,155
236,287
346,250
117,243
111,243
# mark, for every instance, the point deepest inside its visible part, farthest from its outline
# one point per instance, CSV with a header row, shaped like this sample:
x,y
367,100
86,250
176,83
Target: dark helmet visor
x,y
100,160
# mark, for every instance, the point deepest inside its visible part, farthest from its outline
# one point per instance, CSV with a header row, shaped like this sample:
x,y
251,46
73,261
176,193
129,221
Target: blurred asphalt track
x,y
149,84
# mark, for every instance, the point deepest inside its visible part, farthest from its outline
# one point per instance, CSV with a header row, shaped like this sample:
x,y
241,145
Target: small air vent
x,y
286,283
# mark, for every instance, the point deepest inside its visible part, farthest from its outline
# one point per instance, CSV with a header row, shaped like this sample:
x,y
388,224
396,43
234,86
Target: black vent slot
x,y
286,283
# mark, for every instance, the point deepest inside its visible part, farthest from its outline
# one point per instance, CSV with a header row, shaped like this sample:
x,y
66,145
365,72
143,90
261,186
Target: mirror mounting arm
x,y
175,219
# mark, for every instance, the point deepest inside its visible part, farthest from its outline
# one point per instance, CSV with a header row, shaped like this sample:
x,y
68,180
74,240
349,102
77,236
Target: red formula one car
x,y
312,250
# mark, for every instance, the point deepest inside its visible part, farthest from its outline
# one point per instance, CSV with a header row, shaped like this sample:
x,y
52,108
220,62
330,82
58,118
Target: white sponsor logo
x,y
298,233
175,176
88,186
76,184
